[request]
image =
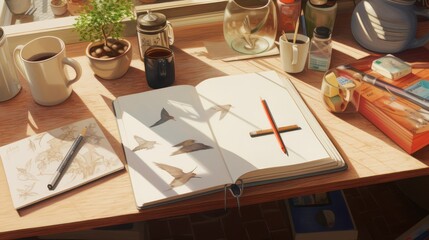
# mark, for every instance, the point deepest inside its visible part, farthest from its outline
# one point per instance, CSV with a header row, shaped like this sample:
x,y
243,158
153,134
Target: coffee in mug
x,y
159,66
41,57
42,63
297,41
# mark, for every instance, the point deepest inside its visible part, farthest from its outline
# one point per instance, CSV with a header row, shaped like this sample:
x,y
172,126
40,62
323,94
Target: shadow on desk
x,y
134,81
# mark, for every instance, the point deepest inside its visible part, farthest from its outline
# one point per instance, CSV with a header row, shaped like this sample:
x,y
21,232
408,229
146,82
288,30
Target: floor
x,y
381,212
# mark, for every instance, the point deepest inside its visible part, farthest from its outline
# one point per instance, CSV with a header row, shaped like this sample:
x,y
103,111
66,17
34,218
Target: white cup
x,y
42,63
293,56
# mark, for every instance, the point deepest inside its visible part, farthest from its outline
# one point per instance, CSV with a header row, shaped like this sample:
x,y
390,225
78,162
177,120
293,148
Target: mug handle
x,y
76,66
170,33
294,54
17,60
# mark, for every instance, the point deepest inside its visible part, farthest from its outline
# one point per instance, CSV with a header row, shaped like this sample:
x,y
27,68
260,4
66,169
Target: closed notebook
x,y
30,163
322,216
399,108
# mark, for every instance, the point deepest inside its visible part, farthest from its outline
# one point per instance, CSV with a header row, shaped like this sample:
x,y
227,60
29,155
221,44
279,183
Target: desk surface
x,y
372,157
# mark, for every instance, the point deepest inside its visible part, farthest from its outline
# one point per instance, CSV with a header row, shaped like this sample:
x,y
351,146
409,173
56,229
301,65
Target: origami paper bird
x,y
180,177
143,144
223,109
188,146
165,116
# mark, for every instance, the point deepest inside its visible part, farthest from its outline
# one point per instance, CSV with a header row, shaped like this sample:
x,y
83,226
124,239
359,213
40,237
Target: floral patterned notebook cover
x,y
30,163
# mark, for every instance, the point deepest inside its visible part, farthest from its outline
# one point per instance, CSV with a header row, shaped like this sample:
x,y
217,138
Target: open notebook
x,y
183,141
30,163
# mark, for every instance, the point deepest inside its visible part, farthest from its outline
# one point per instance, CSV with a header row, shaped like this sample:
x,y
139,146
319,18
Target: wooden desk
x,y
373,158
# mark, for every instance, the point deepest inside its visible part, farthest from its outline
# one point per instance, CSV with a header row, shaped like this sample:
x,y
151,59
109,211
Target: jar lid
x,y
322,32
322,3
318,2
152,21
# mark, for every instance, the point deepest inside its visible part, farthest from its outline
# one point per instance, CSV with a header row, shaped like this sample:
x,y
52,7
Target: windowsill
x,y
179,13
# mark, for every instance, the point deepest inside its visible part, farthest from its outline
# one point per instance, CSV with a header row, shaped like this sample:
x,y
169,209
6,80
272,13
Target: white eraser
x,y
391,67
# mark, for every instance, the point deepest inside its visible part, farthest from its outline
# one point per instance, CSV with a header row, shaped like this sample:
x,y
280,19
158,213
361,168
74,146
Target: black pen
x,y
58,173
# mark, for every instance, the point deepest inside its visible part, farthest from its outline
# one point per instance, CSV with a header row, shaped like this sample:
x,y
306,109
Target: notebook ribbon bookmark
x,y
236,191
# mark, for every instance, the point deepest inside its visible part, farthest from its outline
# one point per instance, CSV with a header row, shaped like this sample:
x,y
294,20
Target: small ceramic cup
x,y
293,56
58,8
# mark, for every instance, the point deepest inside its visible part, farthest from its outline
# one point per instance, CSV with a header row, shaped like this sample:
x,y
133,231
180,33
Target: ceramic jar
x,y
9,83
387,26
18,6
58,7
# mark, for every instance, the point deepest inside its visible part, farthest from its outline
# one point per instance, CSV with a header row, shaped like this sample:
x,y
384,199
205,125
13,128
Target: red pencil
x,y
274,126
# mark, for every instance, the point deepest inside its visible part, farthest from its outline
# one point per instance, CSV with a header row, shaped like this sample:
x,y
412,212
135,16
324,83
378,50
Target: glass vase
x,y
250,26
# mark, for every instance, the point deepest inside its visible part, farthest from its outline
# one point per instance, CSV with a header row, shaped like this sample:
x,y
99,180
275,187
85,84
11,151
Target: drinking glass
x,y
339,92
250,26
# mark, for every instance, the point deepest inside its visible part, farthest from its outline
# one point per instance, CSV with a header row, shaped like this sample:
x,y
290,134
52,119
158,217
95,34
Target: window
x,y
21,28
179,12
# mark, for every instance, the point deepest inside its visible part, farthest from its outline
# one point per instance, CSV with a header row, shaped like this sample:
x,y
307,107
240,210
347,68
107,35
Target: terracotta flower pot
x,y
110,68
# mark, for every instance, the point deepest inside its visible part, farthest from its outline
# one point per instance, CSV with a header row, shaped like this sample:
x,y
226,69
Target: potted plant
x,y
101,22
75,6
58,7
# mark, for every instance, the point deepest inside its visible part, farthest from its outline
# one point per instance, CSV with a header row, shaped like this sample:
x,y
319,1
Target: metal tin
x,y
153,29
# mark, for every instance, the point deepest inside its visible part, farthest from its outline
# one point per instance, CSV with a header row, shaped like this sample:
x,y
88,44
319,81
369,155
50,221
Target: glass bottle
x,y
320,13
153,29
320,49
288,13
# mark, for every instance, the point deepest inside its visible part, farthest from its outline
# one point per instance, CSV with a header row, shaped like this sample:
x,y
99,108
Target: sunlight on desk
x,y
349,50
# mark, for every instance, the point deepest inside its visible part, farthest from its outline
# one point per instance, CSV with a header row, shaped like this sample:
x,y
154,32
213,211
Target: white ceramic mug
x,y
42,63
293,56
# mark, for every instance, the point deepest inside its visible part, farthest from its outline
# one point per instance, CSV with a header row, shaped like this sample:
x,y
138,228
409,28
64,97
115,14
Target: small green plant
x,y
101,20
